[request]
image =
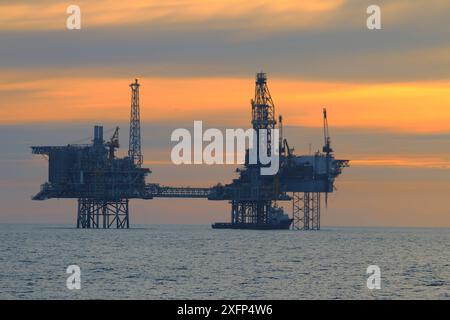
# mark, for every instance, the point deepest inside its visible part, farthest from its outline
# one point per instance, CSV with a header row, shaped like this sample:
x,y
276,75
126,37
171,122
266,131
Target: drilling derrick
x,y
256,209
263,111
134,149
253,196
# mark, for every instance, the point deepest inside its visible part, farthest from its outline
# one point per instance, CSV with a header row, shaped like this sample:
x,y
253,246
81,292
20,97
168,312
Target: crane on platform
x,y
327,141
327,145
113,143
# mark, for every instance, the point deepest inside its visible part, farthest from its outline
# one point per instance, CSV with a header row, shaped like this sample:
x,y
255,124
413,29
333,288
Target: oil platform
x,y
301,179
104,183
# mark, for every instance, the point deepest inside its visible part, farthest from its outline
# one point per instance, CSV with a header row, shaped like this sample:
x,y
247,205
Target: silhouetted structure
x,y
301,179
104,183
134,149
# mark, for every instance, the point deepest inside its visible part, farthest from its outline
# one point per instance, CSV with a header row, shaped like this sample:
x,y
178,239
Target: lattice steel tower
x,y
134,150
263,110
306,210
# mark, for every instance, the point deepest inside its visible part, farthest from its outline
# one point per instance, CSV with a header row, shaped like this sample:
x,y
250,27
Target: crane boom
x,y
327,141
113,143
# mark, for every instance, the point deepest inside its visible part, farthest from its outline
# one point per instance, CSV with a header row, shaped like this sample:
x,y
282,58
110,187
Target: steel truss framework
x,y
98,213
254,212
263,111
306,210
134,151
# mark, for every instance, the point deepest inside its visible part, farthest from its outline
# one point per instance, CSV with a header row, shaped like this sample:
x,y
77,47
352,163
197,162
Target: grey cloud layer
x,y
417,47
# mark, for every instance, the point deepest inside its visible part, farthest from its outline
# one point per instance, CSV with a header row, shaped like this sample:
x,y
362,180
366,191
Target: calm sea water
x,y
189,262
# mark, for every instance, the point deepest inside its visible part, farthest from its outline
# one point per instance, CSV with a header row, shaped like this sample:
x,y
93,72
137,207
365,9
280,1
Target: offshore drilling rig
x,y
103,183
301,179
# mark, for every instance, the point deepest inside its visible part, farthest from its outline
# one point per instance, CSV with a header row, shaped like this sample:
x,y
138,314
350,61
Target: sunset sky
x,y
387,92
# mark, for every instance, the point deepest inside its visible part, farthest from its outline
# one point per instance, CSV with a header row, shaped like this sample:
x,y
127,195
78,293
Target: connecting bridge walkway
x,y
157,191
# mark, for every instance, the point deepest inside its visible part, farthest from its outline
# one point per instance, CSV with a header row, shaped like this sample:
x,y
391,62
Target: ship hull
x,y
254,226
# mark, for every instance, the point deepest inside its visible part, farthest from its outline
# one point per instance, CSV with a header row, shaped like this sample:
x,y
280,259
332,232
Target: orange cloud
x,y
405,162
413,107
271,14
